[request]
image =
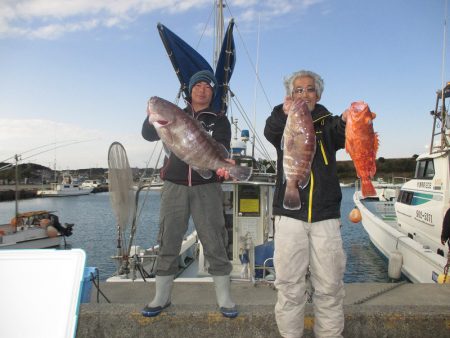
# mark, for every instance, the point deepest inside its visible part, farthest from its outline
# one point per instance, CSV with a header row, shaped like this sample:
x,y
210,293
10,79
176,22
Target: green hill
x,y
386,169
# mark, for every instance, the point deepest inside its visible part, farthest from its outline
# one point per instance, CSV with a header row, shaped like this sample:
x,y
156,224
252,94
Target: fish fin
x,y
291,199
376,143
304,183
166,150
205,173
241,173
374,116
224,151
348,146
367,188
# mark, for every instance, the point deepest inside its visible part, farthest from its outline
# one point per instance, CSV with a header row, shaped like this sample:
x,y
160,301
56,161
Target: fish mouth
x,y
160,123
359,106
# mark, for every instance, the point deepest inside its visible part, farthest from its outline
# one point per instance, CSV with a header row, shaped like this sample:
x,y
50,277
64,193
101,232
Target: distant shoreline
x,y
26,191
5,187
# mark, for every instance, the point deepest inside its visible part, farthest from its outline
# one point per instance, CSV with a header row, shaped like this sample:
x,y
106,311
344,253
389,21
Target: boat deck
x,y
371,310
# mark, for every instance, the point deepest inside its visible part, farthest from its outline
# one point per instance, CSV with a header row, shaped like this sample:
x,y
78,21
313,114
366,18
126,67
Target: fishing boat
x,y
90,184
67,187
152,183
404,221
33,230
247,204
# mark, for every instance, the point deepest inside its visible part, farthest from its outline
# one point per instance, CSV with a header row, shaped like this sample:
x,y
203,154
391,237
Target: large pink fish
x,y
361,142
299,147
186,138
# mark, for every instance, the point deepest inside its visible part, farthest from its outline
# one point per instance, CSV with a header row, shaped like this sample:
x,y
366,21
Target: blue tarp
x,y
186,61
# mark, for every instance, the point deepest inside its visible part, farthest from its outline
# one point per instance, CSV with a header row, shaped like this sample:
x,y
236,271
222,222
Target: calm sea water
x,y
95,231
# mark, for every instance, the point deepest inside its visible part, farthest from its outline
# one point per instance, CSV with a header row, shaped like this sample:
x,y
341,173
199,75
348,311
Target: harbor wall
x,y
10,195
8,192
396,310
125,320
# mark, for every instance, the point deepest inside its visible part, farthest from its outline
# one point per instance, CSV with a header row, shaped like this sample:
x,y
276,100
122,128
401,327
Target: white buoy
x,y
395,265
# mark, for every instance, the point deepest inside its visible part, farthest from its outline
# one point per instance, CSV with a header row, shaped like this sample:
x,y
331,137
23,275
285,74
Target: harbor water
x,y
95,231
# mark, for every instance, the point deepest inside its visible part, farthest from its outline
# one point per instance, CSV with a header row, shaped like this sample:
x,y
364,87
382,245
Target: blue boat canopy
x,y
186,61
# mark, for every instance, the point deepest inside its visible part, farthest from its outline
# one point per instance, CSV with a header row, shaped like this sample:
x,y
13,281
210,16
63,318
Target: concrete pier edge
x,y
411,310
125,320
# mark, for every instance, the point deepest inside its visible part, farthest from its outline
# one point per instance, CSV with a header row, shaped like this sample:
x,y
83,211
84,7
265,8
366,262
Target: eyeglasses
x,y
300,90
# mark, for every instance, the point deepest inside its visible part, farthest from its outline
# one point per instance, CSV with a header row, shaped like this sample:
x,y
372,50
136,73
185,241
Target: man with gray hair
x,y
309,238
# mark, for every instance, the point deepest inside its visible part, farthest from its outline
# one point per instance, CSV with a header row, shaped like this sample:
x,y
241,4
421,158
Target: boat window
x,y
429,169
405,197
425,169
420,169
409,198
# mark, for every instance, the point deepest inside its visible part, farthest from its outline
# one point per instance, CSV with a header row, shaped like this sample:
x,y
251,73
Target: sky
x,y
76,75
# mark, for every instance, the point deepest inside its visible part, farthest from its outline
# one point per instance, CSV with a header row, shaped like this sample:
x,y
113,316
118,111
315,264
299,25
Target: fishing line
x,y
42,152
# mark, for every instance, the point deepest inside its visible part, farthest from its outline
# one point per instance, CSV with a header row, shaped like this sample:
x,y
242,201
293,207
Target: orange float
x,y
44,222
51,231
355,215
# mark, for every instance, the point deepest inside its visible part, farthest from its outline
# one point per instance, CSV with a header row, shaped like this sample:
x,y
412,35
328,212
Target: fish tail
x,y
291,197
367,188
241,173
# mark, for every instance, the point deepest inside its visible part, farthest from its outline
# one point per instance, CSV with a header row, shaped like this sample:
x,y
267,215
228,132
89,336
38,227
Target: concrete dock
x,y
371,310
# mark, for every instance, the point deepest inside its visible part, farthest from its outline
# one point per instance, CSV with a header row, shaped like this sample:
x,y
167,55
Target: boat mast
x,y
218,28
440,113
444,126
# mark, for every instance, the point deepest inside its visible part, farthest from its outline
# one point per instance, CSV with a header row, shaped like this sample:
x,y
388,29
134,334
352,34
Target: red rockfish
x,y
299,147
361,142
186,138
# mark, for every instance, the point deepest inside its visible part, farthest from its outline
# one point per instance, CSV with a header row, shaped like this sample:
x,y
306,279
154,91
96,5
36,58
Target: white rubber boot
x,y
226,305
163,286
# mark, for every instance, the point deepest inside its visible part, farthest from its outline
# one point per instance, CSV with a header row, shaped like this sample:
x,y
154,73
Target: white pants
x,y
299,245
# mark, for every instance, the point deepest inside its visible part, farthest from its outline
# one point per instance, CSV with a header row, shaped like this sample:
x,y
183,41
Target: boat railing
x,y
386,191
399,180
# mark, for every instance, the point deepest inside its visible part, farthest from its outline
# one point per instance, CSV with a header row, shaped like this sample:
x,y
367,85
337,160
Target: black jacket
x,y
177,171
324,183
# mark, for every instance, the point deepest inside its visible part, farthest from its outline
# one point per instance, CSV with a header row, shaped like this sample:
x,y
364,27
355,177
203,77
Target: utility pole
x,y
16,157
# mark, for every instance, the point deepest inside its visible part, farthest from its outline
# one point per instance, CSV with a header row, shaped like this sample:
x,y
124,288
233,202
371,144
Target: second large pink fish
x,y
299,147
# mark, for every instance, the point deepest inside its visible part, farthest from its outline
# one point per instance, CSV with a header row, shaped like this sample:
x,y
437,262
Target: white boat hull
x,y
62,193
420,264
32,238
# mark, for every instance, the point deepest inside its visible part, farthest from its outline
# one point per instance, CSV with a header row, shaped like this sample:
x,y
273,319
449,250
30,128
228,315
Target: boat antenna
x,y
256,84
443,83
443,50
